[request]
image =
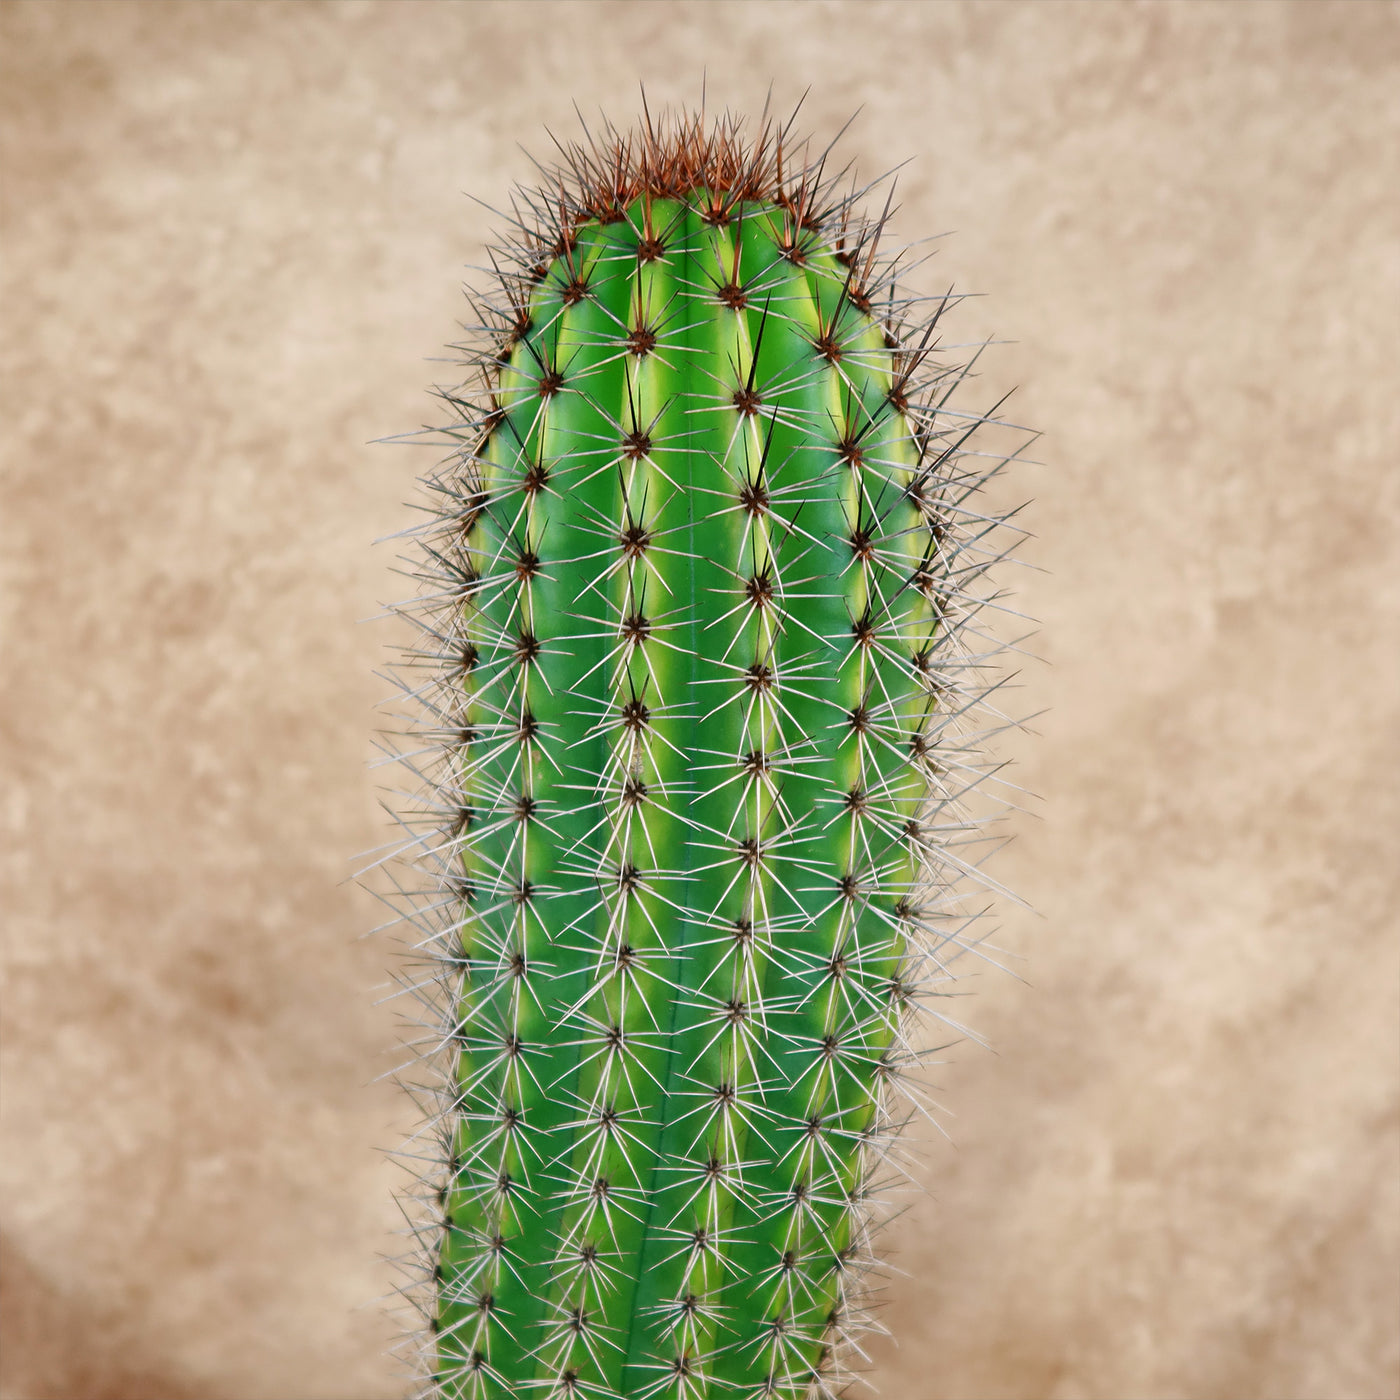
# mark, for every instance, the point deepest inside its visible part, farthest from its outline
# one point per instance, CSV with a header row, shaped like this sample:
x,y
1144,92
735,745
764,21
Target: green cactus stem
x,y
702,687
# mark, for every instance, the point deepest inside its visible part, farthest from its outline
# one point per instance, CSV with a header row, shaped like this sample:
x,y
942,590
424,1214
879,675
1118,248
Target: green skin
x,y
755,992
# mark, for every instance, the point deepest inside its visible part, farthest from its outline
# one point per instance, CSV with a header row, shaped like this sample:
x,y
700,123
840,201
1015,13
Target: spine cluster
x,y
701,688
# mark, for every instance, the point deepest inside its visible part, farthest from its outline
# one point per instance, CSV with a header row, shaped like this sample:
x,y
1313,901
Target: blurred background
x,y
234,234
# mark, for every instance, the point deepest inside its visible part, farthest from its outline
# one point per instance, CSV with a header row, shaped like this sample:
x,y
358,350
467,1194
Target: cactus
x,y
700,676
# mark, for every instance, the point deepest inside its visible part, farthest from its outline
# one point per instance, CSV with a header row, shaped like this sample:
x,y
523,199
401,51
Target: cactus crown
x,y
699,691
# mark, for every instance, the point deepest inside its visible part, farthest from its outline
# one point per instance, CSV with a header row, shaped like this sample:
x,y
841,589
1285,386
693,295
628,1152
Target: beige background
x,y
233,233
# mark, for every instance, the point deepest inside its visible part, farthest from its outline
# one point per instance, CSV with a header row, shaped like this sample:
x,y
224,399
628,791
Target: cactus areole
x,y
698,585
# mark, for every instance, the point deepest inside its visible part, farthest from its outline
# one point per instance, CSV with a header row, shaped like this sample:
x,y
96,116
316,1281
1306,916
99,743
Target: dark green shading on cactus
x,y
703,687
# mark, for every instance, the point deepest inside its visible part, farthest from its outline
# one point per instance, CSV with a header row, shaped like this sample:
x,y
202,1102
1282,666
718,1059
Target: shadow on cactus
x,y
700,688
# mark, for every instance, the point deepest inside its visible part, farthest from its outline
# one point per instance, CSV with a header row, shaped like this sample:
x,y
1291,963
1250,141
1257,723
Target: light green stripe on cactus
x,y
696,587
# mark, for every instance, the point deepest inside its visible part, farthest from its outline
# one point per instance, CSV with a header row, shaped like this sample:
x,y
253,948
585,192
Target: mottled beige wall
x,y
232,233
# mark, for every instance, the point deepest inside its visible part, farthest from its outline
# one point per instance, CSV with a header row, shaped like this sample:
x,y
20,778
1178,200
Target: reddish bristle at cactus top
x,y
702,685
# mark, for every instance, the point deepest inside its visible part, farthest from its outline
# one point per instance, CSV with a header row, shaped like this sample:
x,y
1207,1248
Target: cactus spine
x,y
699,584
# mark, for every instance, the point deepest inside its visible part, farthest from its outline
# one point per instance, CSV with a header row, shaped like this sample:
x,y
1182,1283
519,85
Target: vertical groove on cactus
x,y
700,688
